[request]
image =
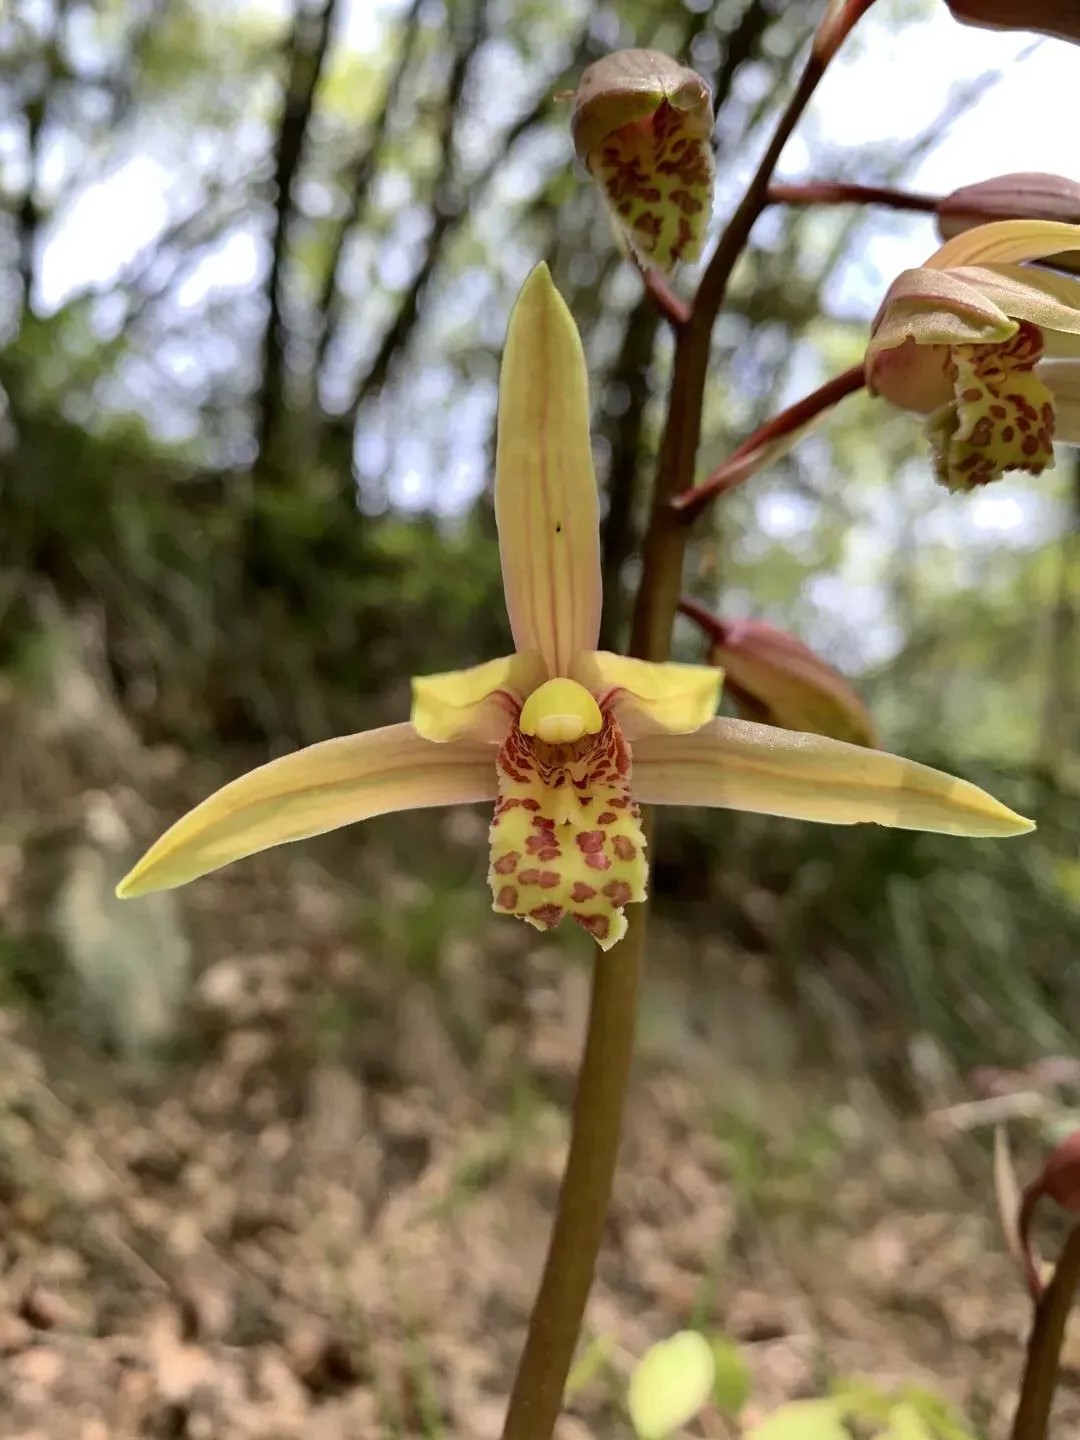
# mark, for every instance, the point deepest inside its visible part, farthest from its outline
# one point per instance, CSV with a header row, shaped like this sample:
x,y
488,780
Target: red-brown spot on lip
x,y
607,818
529,877
589,842
597,925
582,892
598,862
507,898
507,864
624,848
530,804
618,892
547,915
548,879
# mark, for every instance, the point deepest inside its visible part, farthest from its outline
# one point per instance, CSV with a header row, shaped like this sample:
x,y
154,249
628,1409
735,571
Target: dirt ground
x,y
325,1214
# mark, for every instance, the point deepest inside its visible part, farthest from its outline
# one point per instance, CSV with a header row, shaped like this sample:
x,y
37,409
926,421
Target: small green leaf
x,y
670,1384
863,1400
596,1357
939,1415
905,1423
731,1383
805,1420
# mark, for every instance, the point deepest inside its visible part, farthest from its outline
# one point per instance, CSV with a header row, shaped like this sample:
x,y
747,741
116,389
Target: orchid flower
x,y
987,346
567,739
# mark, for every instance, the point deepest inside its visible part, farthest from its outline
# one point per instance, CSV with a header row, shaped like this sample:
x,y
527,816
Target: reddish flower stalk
x,y
674,309
787,424
838,192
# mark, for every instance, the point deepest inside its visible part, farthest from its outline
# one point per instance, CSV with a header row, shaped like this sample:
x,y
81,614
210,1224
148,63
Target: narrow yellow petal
x,y
480,703
321,788
737,765
646,698
1003,242
546,504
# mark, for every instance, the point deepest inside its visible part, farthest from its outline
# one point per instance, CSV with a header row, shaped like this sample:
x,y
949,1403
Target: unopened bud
x,y
1023,196
1058,18
1060,1178
777,679
641,123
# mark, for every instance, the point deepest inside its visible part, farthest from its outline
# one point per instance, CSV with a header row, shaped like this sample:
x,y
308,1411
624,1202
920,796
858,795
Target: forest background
x,y
283,1149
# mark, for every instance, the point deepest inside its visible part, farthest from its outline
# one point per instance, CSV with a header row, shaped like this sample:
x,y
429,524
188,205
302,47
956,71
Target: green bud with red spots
x,y
641,124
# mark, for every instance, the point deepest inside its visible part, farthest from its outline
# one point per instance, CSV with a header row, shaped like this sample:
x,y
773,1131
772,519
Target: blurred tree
x,y
255,266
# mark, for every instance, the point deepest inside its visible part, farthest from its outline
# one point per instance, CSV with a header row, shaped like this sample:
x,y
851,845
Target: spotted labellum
x,y
641,124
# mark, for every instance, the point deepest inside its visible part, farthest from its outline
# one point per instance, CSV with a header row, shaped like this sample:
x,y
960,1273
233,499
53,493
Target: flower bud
x,y
641,124
1060,1178
1058,18
777,679
1027,195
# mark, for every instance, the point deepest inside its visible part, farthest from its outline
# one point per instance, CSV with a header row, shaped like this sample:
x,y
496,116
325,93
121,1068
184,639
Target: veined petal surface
x,y
1025,293
647,698
546,503
480,703
936,307
737,765
1004,242
311,791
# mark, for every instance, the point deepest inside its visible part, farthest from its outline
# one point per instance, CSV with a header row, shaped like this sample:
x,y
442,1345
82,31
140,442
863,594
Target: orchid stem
x,y
556,1318
1044,1345
835,192
665,539
586,1189
729,476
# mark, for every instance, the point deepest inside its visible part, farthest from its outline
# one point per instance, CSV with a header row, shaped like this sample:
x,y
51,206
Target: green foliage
x,y
670,1384
688,1374
731,1380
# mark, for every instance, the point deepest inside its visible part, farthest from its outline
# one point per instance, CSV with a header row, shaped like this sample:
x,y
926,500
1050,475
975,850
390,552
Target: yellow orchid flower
x,y
568,740
987,346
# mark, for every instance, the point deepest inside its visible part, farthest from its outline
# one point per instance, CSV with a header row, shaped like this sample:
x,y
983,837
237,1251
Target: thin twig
x,y
448,208
630,375
308,43
362,171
